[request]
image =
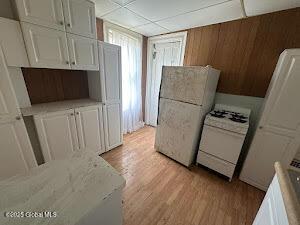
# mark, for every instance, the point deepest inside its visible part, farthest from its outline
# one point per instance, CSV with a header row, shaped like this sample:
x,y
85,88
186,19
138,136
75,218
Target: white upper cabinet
x,y
46,48
80,17
111,78
83,53
9,107
47,13
57,134
12,43
89,123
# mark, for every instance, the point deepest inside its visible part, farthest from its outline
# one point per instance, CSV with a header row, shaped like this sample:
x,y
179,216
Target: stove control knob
x,y
260,127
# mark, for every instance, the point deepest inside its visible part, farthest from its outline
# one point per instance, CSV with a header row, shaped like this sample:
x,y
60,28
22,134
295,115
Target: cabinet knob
x,y
68,24
77,113
260,127
73,63
67,62
72,114
61,23
18,117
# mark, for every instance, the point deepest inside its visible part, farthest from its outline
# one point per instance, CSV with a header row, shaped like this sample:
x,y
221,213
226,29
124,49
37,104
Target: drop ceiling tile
x,y
125,18
257,7
105,6
123,2
150,29
215,14
160,9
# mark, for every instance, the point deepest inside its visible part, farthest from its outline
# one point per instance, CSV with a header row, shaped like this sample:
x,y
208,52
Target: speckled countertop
x,y
57,106
71,187
290,198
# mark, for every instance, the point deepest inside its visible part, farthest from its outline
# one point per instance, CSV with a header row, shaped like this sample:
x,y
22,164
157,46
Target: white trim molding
x,y
173,37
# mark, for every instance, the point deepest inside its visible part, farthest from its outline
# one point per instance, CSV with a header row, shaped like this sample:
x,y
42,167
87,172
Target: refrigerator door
x,y
178,130
185,84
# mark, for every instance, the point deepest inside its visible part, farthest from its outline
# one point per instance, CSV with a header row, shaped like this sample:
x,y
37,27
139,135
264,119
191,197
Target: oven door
x,y
221,143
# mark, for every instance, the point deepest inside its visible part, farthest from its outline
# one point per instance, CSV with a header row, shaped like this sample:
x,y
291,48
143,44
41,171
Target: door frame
x,y
179,36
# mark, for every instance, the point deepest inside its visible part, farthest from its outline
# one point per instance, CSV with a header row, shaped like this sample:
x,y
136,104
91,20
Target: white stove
x,y
223,135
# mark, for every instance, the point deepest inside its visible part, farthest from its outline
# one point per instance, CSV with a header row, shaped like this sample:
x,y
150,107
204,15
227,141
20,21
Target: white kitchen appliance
x,y
223,135
186,95
277,137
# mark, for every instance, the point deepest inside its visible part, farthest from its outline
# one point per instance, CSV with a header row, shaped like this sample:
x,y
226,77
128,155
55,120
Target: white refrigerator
x,y
186,96
277,137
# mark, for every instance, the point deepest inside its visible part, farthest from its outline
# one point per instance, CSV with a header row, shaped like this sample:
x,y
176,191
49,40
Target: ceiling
x,y
154,17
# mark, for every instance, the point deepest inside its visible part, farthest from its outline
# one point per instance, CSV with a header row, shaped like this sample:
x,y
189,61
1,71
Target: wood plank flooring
x,y
160,191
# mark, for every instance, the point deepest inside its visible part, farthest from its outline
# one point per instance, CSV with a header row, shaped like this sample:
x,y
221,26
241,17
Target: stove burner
x,y
220,111
235,119
218,115
238,116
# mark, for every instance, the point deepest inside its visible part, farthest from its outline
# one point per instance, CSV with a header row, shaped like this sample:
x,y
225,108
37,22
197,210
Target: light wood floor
x,y
161,191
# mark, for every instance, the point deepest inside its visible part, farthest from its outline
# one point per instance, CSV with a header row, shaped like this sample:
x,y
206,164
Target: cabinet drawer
x,y
223,167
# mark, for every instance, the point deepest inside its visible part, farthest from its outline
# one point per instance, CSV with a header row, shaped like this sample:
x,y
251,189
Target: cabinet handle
x,y
61,23
18,117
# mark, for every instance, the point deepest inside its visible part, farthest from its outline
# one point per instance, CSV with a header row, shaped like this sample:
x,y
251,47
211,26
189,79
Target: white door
x,y
16,154
164,54
83,53
48,13
80,17
265,215
89,123
46,48
112,125
57,134
278,134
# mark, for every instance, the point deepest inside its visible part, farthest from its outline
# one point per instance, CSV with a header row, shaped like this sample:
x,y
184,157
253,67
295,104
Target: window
x,y
131,50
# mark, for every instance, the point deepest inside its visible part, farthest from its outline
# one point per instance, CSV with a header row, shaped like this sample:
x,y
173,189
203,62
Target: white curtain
x,y
131,79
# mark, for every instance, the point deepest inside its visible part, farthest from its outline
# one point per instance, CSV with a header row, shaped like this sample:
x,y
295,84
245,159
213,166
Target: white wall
x,y
298,155
6,9
253,103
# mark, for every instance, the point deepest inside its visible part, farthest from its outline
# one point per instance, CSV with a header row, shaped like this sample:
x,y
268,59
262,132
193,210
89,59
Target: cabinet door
x,y
12,43
80,17
57,134
111,75
89,121
46,48
48,13
16,155
9,107
113,125
83,53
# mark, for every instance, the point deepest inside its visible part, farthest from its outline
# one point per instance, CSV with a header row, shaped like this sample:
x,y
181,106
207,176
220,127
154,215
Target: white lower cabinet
x,y
61,133
89,123
16,155
57,134
272,210
113,125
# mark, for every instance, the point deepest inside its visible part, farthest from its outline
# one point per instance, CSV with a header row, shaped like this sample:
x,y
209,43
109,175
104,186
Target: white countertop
x,y
57,106
71,187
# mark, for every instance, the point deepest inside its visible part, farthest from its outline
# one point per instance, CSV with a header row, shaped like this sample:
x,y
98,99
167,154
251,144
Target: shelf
x,y
57,106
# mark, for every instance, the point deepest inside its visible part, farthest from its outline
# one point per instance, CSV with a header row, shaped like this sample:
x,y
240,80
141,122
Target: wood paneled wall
x,y
49,85
245,50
